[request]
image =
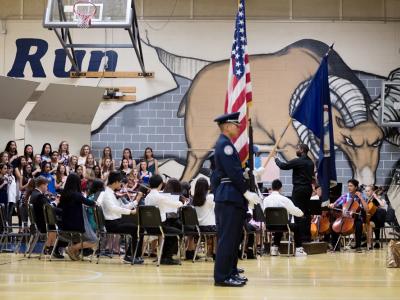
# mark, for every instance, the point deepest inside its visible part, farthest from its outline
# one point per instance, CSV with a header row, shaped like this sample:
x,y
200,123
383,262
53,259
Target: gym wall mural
x,y
279,79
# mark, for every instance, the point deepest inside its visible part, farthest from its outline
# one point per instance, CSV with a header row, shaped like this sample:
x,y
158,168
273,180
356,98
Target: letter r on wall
x,y
23,57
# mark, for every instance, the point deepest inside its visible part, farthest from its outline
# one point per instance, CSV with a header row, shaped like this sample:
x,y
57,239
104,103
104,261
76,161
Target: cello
x,y
320,225
344,224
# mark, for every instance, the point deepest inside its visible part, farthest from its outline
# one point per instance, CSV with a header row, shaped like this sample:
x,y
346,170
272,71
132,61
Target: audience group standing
x,y
73,184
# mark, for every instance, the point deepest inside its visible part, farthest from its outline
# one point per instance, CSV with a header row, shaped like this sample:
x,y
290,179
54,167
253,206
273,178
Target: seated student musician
x,y
276,199
38,199
353,193
377,220
72,217
166,205
113,209
204,204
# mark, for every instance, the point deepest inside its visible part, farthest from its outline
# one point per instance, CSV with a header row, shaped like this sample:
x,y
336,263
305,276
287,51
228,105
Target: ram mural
x,y
279,80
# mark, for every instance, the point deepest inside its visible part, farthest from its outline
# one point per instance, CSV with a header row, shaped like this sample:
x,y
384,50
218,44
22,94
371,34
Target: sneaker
x,y
274,251
377,245
71,254
300,252
138,261
58,255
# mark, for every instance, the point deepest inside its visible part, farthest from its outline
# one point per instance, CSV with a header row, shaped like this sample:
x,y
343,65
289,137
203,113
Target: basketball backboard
x,y
108,13
61,16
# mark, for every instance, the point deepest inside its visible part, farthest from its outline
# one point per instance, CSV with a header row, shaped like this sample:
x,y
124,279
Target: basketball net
x,y
84,14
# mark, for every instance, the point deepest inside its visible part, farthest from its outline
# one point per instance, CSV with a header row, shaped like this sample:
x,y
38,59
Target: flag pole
x,y
277,143
288,124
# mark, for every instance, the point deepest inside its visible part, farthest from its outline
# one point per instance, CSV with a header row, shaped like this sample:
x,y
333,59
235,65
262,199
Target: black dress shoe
x,y
58,255
169,261
230,282
237,277
239,270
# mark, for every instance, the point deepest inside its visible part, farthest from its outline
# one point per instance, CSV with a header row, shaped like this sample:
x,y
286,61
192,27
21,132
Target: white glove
x,y
246,174
253,198
259,171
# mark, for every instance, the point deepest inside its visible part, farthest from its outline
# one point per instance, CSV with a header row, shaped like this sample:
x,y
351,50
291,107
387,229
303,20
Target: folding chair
x,y
51,226
6,232
246,233
149,220
189,220
101,231
35,233
277,220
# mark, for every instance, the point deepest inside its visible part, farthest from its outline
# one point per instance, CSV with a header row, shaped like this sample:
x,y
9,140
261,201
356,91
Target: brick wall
x,y
154,123
151,123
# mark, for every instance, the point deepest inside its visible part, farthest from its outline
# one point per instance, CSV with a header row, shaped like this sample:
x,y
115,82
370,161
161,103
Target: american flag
x,y
239,95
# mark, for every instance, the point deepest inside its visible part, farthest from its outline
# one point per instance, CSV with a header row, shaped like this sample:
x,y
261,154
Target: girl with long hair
x,y
28,153
106,169
60,177
90,161
127,153
144,173
63,153
85,151
36,165
97,172
204,204
54,162
73,215
124,167
152,163
107,153
46,152
11,149
73,163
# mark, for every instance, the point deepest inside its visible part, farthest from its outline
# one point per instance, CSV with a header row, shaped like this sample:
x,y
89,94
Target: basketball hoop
x,y
84,12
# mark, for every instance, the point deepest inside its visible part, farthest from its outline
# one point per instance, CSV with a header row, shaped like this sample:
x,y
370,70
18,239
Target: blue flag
x,y
315,112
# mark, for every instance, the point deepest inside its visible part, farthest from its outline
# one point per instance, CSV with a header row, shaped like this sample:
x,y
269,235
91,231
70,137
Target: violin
x,y
373,205
344,224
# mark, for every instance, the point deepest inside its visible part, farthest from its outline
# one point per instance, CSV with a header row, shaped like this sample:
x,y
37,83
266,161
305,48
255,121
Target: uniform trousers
x,y
301,195
230,220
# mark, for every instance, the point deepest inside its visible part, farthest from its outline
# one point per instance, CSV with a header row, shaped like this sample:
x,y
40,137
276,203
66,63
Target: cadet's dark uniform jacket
x,y
229,173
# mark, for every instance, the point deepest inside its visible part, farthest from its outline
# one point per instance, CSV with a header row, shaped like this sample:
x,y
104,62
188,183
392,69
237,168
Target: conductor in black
x,y
303,175
231,201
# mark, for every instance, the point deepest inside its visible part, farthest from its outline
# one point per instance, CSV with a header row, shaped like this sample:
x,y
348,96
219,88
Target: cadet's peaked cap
x,y
228,118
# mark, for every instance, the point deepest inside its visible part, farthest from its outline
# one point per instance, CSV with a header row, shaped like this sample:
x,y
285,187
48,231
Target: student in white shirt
x,y
113,209
204,204
165,204
11,193
275,199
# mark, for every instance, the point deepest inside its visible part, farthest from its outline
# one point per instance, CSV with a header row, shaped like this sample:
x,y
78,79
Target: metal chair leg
x,y
160,251
32,244
244,243
179,249
54,248
44,246
198,246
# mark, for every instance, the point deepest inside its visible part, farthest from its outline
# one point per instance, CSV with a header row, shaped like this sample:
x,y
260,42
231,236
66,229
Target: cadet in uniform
x,y
230,202
303,175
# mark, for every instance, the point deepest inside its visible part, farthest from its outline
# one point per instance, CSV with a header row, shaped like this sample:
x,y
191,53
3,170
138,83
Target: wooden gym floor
x,y
345,275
